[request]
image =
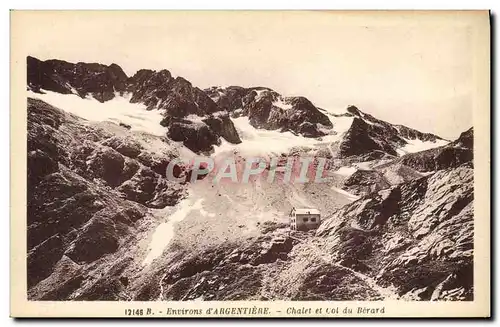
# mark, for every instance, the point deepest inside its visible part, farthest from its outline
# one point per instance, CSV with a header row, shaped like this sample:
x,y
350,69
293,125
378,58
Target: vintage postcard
x,y
250,164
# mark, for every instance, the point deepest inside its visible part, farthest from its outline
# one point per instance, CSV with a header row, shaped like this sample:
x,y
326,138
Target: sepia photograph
x,y
286,158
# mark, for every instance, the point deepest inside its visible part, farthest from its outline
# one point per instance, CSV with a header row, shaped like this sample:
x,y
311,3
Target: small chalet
x,y
304,219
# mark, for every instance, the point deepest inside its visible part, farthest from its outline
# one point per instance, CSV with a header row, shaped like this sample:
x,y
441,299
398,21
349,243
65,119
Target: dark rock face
x,y
398,173
88,191
157,90
368,134
437,159
228,272
99,81
267,109
391,130
358,140
304,111
196,137
309,130
416,237
176,95
223,126
451,155
466,139
149,87
201,133
412,134
228,99
374,155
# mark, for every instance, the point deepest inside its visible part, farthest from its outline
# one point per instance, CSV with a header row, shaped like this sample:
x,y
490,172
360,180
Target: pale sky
x,y
413,71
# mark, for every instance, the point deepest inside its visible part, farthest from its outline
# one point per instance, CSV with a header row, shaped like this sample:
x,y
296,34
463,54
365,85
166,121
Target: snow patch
x,y
341,124
259,94
351,197
323,129
195,119
345,171
219,114
215,98
282,104
367,165
117,110
262,142
333,110
417,145
164,233
368,122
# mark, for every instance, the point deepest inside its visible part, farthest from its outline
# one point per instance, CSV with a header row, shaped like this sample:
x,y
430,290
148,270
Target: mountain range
x,y
105,223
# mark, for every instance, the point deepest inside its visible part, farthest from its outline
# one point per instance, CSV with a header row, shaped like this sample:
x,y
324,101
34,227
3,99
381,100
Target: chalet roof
x,y
306,211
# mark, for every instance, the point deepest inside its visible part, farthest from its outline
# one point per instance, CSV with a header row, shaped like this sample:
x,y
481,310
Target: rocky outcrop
x,y
199,134
97,80
198,137
413,134
364,182
437,159
362,138
180,101
268,109
368,134
416,237
451,155
402,131
465,140
162,91
222,125
230,98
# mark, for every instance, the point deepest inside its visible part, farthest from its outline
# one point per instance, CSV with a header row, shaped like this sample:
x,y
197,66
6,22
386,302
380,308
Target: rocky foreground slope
x,y
89,189
397,209
417,236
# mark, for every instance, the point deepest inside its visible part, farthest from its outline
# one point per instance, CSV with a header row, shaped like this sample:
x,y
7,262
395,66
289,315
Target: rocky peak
x,y
362,138
451,155
177,96
270,110
181,81
97,80
466,139
228,99
368,133
354,110
149,87
363,182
